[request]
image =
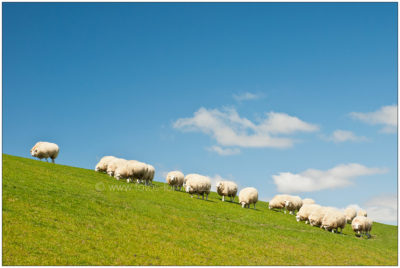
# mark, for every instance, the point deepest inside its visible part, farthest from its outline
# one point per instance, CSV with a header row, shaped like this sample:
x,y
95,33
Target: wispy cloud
x,y
343,136
382,208
229,129
312,180
246,96
386,116
224,151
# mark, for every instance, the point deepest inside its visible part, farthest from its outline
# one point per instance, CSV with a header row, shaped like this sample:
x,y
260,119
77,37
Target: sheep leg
x,y
197,196
47,160
254,205
223,198
52,160
202,195
206,196
243,204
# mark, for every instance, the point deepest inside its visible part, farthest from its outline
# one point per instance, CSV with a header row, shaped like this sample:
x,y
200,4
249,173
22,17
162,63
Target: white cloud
x,y
382,209
344,135
315,180
246,96
224,151
229,129
386,116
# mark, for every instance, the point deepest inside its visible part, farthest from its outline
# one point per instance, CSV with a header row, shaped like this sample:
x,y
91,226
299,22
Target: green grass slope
x,y
60,215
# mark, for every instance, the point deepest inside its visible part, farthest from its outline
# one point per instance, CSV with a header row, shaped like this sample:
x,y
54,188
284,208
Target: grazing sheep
x,y
125,170
308,201
350,213
188,177
140,172
248,196
362,212
305,211
103,163
278,202
293,203
149,176
227,188
175,179
316,216
198,184
113,164
333,220
361,224
45,150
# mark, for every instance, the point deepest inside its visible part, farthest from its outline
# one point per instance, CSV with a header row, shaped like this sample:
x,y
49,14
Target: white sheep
x,y
278,202
103,163
361,224
293,203
149,176
227,188
248,196
316,216
113,164
350,213
125,170
175,179
305,211
308,201
140,172
45,150
188,177
198,184
334,220
362,212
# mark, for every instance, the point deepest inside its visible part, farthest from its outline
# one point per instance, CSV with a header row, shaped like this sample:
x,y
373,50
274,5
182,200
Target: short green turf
x,y
61,215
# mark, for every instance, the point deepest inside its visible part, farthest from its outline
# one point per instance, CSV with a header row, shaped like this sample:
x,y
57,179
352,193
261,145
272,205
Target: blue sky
x,y
284,97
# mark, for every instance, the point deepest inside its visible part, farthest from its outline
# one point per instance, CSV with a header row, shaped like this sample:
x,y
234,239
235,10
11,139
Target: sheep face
x,y
34,152
189,189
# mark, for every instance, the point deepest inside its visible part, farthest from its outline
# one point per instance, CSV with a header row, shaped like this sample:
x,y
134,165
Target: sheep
x,y
362,212
278,202
305,211
140,172
103,163
198,184
316,216
125,170
150,174
45,150
114,164
361,224
188,177
175,179
248,196
333,220
308,201
227,188
293,203
350,214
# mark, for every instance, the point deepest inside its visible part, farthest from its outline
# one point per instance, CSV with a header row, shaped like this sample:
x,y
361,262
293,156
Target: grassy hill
x,y
60,215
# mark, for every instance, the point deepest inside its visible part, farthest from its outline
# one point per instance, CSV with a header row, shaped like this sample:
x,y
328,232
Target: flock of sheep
x,y
328,218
